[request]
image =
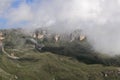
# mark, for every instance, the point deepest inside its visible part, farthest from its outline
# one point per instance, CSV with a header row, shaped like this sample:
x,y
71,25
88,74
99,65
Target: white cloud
x,y
99,19
57,11
4,4
22,13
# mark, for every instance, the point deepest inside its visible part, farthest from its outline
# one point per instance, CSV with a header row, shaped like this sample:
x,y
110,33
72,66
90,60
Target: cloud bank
x,y
99,19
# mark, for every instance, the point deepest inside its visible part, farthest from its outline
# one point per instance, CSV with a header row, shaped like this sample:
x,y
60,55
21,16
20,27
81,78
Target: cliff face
x,y
76,35
1,46
1,41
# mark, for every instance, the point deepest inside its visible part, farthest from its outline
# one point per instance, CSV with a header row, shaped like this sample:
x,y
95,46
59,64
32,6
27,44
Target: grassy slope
x,y
48,66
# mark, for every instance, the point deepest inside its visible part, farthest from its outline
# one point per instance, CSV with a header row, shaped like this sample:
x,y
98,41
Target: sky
x,y
13,13
19,13
38,13
99,19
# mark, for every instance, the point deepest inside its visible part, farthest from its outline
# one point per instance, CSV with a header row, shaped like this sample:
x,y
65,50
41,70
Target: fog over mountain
x,y
99,19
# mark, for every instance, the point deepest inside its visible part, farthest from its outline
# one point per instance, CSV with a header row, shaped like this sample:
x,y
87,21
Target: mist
x,y
98,19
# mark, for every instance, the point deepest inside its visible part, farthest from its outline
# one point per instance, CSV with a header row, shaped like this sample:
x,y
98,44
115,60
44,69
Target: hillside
x,y
55,61
48,66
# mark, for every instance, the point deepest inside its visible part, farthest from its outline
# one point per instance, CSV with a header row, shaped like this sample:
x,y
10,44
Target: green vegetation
x,y
56,61
48,66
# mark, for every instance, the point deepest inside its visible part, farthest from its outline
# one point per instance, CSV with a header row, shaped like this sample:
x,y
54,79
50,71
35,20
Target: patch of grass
x,y
54,67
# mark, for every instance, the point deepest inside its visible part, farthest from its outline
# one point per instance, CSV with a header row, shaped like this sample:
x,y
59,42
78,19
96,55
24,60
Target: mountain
x,y
62,60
